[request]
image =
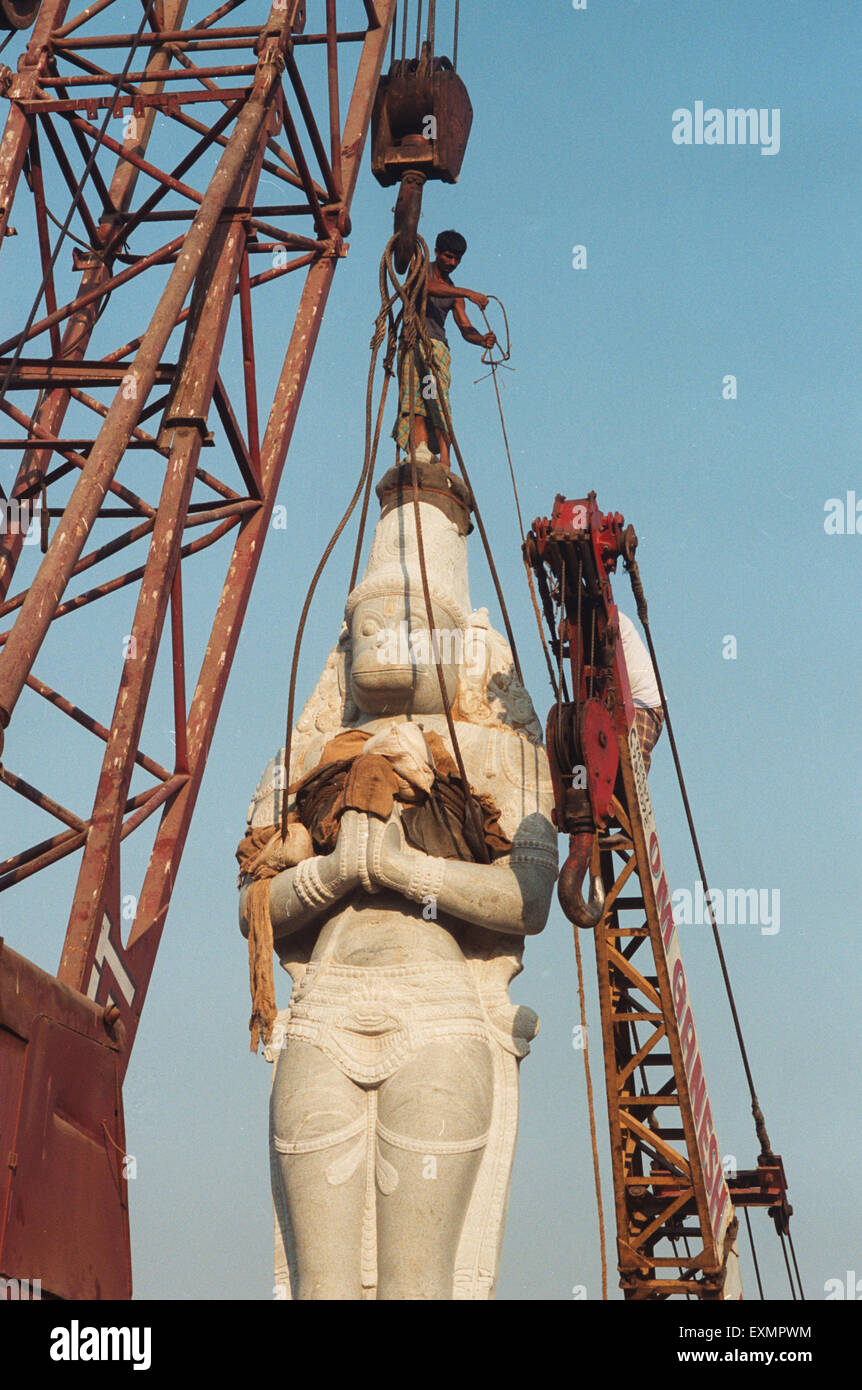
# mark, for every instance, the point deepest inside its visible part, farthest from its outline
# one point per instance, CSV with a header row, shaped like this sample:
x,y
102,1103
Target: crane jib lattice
x,y
159,141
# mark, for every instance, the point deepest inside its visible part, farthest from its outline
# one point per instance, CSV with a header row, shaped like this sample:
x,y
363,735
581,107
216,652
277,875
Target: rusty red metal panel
x,y
63,1204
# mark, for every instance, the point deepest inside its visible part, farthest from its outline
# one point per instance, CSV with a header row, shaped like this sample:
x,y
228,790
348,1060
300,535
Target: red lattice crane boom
x,y
94,390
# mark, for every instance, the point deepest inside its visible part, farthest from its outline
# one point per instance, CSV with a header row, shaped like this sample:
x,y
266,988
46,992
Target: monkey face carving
x,y
394,654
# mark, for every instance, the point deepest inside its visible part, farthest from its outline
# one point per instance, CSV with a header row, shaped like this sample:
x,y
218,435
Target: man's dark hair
x,y
451,241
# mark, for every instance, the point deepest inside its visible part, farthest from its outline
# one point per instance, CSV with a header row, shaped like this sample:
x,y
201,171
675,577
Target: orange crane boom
x,y
675,1207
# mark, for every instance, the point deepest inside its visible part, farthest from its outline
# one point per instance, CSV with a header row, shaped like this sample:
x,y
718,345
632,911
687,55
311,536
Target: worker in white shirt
x,y
649,715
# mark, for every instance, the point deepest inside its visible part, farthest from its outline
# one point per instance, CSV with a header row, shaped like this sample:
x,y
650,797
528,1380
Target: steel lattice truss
x,y
199,112
675,1223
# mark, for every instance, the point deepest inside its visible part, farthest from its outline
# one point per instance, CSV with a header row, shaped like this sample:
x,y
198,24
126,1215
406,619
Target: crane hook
x,y
583,914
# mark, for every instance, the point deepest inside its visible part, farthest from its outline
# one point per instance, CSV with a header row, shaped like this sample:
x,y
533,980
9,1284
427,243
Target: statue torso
x,y
385,929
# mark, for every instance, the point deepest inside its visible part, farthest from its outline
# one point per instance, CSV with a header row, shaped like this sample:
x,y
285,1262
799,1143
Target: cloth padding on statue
x,y
360,772
435,820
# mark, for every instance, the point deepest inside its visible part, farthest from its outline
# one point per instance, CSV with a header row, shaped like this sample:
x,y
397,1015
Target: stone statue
x,y
395,1092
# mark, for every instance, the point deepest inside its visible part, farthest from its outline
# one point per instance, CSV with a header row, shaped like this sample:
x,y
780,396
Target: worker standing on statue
x,y
431,381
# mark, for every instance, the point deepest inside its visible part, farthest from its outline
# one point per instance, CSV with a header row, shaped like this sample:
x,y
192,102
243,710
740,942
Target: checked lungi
x,y
649,724
430,388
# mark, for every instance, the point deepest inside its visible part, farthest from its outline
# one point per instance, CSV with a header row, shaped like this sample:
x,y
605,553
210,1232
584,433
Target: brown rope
x,y
592,1113
260,976
387,367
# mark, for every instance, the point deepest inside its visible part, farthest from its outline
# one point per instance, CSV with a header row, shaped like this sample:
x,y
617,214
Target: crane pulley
x,y
419,129
18,14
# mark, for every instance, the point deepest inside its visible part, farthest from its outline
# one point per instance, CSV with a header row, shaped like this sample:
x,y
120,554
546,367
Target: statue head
x,y
385,660
395,651
395,643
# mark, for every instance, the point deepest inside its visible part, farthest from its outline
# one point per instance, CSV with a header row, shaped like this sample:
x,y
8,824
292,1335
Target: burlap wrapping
x,y
435,821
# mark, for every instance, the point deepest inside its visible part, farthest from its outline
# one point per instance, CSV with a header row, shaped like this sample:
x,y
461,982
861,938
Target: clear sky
x,y
703,262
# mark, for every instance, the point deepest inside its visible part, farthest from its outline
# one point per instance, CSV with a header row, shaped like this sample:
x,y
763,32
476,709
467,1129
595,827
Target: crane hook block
x,y
18,14
419,130
421,122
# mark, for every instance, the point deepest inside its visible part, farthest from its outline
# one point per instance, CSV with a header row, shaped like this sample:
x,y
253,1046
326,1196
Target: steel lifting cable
x,y
759,1122
478,827
369,482
455,41
19,347
579,660
556,680
412,285
795,1265
79,241
495,362
753,1252
592,1113
369,458
560,648
447,416
787,1266
557,685
413,322
640,599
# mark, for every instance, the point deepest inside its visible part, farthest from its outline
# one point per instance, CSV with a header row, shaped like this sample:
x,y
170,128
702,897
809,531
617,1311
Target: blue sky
x,y
702,262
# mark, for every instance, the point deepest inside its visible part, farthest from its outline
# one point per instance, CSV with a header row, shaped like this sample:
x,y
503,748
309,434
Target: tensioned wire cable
x,y
557,684
411,293
414,319
383,319
759,1122
556,681
425,341
494,363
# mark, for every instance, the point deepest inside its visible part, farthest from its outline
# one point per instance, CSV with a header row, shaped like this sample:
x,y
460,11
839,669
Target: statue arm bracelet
x,y
299,895
512,900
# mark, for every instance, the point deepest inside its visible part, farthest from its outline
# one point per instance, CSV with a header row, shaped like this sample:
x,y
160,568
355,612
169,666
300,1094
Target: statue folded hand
x,y
392,864
511,898
299,895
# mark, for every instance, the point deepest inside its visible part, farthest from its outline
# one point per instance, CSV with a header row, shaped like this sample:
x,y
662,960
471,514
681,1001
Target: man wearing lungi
x,y
431,381
649,715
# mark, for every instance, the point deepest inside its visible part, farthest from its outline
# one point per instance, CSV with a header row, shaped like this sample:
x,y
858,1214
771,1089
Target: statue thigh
x,y
312,1101
431,1120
